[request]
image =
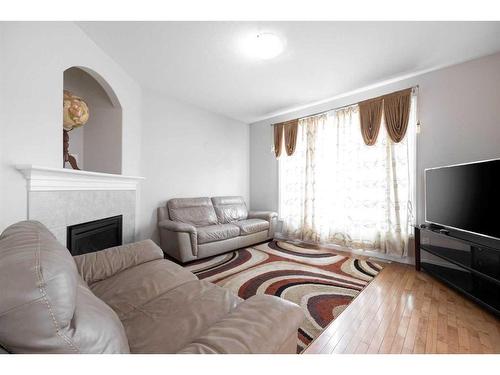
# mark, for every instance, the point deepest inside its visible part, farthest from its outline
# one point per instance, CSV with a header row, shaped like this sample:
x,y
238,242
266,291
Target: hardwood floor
x,y
405,311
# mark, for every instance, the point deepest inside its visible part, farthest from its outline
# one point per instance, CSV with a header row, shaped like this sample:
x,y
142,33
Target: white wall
x,y
34,56
102,147
188,152
76,148
459,112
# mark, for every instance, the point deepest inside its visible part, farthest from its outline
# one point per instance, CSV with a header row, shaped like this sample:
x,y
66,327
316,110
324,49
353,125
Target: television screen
x,y
465,197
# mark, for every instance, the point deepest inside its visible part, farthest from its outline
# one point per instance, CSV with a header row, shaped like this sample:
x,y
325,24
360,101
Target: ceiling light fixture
x,y
263,46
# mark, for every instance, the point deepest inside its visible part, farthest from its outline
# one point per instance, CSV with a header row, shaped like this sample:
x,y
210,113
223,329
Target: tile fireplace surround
x,y
60,197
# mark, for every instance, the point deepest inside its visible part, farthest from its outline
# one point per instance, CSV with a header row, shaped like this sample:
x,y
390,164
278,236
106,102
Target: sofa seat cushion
x,y
252,226
219,232
130,289
174,319
269,322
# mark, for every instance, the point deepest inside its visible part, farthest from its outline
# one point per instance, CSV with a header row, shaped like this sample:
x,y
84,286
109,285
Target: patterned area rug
x,y
321,282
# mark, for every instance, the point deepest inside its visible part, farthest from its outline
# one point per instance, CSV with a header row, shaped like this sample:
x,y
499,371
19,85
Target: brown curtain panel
x,y
278,137
291,128
370,114
397,113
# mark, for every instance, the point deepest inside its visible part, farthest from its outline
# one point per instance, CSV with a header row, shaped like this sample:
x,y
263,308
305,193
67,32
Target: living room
x,y
234,186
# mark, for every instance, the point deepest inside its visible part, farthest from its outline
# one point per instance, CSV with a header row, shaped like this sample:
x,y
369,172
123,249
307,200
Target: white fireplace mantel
x,y
57,179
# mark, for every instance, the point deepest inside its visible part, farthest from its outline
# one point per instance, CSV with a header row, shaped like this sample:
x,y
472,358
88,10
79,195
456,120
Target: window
x,y
335,189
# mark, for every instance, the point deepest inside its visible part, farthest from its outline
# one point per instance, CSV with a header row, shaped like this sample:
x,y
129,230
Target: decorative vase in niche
x,y
75,114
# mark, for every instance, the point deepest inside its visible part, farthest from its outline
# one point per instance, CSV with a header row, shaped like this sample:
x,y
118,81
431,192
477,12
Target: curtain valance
x,y
370,115
289,128
278,137
396,109
397,114
394,106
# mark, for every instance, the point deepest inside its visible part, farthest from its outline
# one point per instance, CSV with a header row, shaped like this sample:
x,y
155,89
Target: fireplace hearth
x,y
94,235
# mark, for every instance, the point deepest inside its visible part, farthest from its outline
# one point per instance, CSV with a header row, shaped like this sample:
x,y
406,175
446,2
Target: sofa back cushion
x,y
230,209
103,264
45,306
196,211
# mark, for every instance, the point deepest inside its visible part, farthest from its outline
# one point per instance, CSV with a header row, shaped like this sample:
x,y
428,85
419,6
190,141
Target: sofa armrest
x,y
261,324
178,228
264,215
270,216
103,264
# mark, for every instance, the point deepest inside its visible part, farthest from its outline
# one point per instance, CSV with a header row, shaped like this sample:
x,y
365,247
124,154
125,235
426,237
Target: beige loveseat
x,y
125,299
196,228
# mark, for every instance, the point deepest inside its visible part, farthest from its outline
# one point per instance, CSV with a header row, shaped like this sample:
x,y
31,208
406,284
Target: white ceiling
x,y
202,63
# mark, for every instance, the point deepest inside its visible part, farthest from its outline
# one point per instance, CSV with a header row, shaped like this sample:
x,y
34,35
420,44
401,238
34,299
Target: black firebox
x,y
94,235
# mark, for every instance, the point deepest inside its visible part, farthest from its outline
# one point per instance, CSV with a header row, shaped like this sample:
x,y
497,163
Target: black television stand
x,y
471,268
430,226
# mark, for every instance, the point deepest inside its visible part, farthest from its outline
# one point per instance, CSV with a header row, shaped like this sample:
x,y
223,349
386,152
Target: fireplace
x,y
94,235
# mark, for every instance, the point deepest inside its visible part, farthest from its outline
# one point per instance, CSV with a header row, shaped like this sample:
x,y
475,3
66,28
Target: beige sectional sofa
x,y
196,228
126,299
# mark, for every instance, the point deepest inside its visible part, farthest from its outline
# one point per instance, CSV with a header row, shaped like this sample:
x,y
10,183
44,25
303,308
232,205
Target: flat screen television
x,y
465,197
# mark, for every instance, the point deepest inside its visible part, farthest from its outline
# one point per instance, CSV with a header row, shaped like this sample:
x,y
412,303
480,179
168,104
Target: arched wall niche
x,y
97,145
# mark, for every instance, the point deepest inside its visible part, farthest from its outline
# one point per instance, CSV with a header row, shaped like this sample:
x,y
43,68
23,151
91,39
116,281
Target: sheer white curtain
x,y
335,189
